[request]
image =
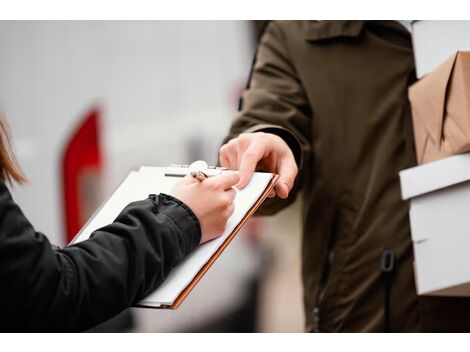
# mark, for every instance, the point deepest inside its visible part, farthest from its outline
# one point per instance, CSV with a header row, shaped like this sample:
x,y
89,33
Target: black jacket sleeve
x,y
75,288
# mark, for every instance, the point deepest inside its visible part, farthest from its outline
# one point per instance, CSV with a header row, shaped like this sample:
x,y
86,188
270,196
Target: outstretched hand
x,y
261,151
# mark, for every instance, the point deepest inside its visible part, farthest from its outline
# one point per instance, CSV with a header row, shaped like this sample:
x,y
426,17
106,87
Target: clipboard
x,y
184,277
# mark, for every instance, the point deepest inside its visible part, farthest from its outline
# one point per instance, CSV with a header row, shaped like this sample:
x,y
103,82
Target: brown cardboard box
x,y
440,104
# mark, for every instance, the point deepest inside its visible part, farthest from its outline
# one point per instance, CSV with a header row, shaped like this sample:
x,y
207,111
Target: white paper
x,y
148,180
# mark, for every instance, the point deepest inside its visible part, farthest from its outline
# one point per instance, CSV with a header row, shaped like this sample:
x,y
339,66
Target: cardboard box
x,y
440,105
439,194
435,41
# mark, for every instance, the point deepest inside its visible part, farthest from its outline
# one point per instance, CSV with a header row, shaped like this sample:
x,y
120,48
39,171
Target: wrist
x,y
182,215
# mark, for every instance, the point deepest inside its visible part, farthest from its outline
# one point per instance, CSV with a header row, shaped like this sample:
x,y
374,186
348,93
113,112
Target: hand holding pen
x,y
199,175
210,199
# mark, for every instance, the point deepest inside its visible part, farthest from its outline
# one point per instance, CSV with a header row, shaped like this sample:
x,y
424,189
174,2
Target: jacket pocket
x,y
332,276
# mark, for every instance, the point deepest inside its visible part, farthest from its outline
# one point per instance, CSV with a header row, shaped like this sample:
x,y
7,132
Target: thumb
x,y
287,173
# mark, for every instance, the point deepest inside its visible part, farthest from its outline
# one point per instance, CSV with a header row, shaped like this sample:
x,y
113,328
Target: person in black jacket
x,y
75,288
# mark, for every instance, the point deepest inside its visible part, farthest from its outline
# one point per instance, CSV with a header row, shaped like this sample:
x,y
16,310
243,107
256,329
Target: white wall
x,y
162,86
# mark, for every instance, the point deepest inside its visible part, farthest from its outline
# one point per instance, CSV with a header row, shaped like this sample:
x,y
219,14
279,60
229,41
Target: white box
x,y
435,41
440,224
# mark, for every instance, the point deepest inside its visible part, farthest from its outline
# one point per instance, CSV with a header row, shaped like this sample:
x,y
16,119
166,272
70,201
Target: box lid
x,y
435,175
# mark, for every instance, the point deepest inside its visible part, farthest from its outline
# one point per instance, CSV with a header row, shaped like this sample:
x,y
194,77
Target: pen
x,y
199,175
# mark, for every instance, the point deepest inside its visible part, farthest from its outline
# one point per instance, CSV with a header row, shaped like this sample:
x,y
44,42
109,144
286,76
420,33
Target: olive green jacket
x,y
336,91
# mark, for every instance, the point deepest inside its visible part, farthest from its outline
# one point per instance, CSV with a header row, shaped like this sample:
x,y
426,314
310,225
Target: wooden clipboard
x,y
219,251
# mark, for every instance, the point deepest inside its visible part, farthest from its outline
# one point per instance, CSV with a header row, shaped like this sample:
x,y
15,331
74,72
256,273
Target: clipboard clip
x,y
175,170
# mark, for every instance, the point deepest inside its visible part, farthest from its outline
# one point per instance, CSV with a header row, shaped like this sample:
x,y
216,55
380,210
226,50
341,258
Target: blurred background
x,y
89,101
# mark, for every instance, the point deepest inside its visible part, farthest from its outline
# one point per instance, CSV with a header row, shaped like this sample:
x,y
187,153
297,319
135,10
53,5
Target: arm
x,y
274,103
82,285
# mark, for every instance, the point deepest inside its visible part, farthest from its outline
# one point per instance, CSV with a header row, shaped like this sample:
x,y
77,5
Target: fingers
x,y
248,163
270,152
223,218
287,173
229,155
243,154
231,194
230,210
223,157
187,180
224,181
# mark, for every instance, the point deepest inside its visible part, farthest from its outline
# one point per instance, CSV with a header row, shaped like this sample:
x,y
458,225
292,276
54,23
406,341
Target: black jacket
x,y
75,288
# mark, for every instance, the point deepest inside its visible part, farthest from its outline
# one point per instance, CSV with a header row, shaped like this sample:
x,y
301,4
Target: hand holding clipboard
x,y
184,277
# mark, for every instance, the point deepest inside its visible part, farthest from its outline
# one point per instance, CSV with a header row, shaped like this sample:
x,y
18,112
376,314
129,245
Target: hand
x,y
261,151
211,200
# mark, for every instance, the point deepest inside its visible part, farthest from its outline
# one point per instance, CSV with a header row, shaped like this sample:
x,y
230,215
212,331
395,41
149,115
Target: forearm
x,y
136,254
79,286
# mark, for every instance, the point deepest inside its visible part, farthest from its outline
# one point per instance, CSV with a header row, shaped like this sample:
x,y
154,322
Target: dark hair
x,y
9,170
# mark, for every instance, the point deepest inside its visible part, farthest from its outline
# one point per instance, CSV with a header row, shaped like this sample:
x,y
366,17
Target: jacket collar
x,y
323,30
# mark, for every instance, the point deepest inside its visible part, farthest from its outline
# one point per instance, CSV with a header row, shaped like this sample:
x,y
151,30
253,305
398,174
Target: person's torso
x,y
355,75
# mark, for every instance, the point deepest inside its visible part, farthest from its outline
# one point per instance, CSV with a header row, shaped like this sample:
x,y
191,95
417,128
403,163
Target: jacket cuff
x,y
182,216
288,137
